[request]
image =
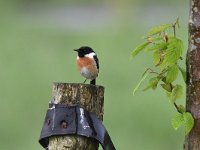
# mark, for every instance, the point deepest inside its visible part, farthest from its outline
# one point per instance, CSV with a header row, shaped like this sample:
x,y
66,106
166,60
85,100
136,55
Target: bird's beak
x,y
76,50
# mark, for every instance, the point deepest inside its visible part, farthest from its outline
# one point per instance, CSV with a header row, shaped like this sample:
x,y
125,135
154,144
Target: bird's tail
x,y
93,82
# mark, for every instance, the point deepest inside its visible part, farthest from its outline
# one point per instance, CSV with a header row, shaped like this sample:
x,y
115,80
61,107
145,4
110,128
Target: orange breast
x,y
84,62
89,64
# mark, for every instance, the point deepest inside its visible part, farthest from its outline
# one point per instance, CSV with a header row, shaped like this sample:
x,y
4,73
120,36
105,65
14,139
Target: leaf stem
x,y
176,106
174,28
152,71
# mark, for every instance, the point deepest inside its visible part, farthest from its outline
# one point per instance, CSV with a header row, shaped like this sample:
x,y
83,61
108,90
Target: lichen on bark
x,y
192,141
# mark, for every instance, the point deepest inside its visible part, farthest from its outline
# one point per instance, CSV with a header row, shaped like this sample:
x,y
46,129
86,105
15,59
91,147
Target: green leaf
x,y
172,74
157,46
156,58
153,82
177,121
185,119
188,122
183,72
168,94
140,82
169,59
177,92
158,29
167,87
154,39
181,108
139,48
173,52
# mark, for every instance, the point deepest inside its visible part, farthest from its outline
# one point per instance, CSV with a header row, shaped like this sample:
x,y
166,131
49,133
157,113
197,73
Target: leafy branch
x,y
167,52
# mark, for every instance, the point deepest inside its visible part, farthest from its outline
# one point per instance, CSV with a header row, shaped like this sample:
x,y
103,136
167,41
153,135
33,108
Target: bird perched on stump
x,y
87,63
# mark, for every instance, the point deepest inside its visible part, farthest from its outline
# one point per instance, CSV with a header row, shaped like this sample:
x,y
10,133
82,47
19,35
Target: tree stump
x,y
87,96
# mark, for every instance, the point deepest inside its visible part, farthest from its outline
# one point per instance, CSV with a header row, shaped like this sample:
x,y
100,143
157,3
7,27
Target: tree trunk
x,y
192,141
89,97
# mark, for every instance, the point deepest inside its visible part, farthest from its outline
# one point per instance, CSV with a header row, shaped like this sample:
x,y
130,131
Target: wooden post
x,y
89,97
192,141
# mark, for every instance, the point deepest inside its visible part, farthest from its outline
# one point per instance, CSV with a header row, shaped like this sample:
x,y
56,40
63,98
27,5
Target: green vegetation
x,y
167,51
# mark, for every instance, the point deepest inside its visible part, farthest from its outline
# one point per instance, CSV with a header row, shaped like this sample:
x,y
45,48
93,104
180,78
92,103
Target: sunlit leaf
x,y
139,48
168,94
154,39
177,92
173,52
140,82
157,46
188,122
156,58
169,59
183,72
158,29
153,82
172,74
177,121
183,119
181,108
167,87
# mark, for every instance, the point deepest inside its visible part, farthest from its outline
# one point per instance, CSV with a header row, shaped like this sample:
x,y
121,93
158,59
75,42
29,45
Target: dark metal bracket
x,y
64,120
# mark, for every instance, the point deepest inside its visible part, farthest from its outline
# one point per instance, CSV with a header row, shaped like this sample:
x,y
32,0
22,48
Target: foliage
x,y
167,51
183,119
144,76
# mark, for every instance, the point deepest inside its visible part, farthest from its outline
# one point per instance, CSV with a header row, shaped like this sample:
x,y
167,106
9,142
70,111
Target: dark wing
x,y
96,60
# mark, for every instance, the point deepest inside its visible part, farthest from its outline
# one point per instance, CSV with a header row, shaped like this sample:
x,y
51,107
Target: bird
x,y
87,63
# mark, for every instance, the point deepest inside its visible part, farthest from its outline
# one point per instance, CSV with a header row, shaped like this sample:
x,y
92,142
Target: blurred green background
x,y
36,43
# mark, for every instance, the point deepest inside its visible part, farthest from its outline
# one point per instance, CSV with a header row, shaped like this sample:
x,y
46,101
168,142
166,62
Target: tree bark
x,y
192,141
89,97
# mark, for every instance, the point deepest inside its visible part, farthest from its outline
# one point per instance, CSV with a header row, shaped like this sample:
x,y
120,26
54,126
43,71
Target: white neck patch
x,y
90,55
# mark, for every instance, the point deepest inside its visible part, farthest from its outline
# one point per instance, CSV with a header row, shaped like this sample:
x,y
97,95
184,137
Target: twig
x,y
174,28
152,71
176,106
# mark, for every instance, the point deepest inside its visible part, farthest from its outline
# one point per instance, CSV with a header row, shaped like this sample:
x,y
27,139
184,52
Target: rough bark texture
x,y
192,141
89,97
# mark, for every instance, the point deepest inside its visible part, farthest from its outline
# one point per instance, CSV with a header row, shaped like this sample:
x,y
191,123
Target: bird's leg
x,y
85,80
93,82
